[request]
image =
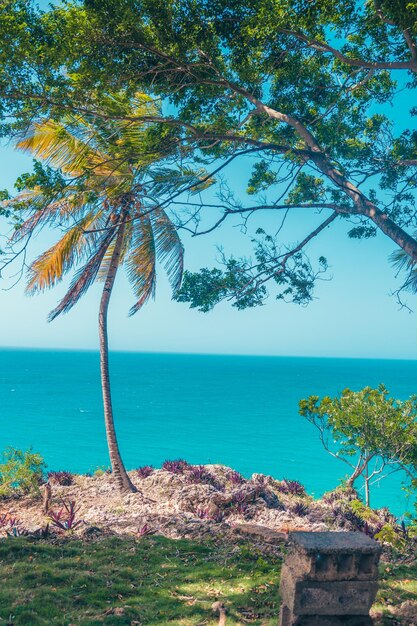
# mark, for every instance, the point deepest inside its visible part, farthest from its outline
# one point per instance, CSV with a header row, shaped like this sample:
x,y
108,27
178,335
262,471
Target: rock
x,y
260,532
407,610
162,485
192,497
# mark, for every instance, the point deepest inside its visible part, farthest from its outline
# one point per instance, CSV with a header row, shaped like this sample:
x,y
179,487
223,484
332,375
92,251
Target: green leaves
x,y
206,288
359,426
21,472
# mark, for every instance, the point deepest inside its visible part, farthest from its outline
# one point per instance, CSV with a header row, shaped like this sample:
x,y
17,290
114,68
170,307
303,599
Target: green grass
x,y
398,583
153,580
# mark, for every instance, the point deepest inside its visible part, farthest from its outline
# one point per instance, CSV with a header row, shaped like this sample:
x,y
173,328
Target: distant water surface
x,y
241,411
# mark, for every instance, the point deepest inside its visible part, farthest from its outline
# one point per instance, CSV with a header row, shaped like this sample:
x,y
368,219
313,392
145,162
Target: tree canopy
x,y
306,89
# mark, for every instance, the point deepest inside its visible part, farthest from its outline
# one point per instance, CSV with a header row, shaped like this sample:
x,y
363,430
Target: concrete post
x,y
329,578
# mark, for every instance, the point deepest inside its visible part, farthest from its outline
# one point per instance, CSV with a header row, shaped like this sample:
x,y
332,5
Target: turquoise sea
x,y
236,410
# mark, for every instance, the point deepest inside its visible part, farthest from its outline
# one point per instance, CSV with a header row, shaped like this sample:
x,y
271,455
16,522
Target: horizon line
x,y
217,354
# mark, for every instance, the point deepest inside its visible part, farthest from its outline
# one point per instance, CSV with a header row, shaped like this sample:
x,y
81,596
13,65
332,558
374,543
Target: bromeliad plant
x,y
146,531
12,526
199,474
291,487
62,478
236,478
65,518
108,192
178,466
144,471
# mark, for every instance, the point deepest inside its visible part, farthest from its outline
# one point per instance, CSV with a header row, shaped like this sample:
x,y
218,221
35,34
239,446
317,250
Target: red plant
x,y
176,467
214,516
145,471
299,508
200,474
64,519
3,519
12,525
236,478
62,478
146,530
293,487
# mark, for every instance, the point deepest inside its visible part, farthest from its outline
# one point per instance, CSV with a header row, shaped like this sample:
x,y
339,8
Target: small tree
x,y
373,434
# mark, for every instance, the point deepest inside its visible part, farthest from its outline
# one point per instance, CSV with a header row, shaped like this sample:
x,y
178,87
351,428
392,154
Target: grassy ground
x,y
398,584
154,581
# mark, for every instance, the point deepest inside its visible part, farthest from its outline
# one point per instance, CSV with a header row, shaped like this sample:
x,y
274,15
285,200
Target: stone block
x,y
305,597
286,619
329,578
333,556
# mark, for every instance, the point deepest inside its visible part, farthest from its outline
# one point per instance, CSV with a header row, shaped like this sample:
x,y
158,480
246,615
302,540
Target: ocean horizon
x,y
237,410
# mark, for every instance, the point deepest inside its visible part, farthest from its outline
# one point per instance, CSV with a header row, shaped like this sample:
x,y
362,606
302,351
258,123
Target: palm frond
x,y
141,263
49,268
168,180
45,212
59,145
143,104
169,249
402,262
84,277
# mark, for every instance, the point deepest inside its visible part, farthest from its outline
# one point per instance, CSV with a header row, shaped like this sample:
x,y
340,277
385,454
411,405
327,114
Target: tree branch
x,y
321,46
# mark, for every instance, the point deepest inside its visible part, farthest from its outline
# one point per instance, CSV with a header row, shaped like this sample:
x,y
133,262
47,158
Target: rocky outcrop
x,y
194,502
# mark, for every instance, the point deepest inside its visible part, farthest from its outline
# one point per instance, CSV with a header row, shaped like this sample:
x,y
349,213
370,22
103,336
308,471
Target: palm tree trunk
x,y
118,468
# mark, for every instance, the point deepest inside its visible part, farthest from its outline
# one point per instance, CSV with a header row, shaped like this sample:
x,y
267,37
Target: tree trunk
x,y
361,468
118,468
367,496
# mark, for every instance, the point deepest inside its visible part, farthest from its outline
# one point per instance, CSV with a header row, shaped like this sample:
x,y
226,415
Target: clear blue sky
x,y
353,315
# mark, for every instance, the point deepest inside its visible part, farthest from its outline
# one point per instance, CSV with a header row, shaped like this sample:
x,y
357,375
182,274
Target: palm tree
x,y
108,194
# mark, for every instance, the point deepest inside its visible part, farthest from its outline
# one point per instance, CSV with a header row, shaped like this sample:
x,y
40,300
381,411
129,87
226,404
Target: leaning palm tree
x,y
107,185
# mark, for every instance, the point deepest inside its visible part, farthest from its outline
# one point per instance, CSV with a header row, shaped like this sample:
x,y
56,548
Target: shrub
x,y
402,538
364,512
241,501
144,471
101,471
63,478
261,480
176,467
373,529
340,494
21,473
292,487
